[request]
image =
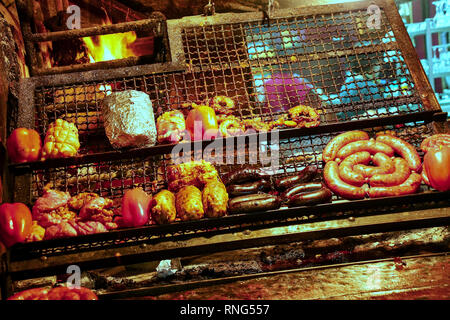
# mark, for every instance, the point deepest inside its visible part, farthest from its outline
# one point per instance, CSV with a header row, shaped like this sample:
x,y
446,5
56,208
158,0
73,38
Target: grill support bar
x,y
193,244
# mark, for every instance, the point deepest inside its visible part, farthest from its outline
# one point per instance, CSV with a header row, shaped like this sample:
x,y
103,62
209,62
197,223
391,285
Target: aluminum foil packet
x,y
128,119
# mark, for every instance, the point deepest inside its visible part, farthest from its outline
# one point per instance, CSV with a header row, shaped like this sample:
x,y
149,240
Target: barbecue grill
x,y
328,46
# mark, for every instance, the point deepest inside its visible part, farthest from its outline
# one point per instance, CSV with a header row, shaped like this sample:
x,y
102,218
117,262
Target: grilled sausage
x,y
301,188
346,171
411,185
253,203
403,148
370,146
235,190
242,175
322,195
305,175
384,164
424,176
341,188
332,148
400,174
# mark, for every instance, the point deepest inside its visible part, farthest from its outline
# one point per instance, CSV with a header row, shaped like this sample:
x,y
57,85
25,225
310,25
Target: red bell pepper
x,y
15,223
135,208
24,145
2,248
58,293
201,123
436,164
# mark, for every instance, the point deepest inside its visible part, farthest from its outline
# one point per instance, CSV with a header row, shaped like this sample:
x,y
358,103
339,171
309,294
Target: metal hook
x,y
209,9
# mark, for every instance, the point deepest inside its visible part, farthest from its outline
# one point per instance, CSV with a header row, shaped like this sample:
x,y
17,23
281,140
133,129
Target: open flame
x,y
110,46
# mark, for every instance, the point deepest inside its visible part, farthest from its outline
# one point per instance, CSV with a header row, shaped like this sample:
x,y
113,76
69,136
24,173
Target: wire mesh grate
x,y
331,62
112,178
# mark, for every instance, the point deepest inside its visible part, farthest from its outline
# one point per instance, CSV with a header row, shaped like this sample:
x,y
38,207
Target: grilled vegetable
x,y
135,208
235,190
24,145
61,140
15,223
305,175
437,167
201,123
322,195
253,203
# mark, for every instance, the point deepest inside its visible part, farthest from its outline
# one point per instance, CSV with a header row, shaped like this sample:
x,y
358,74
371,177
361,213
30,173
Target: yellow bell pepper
x,y
61,140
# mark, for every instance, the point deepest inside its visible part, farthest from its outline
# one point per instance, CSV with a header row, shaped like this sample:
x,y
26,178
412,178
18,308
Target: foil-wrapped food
x,y
128,119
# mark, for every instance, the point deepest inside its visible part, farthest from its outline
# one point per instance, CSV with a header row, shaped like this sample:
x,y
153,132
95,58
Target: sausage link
x,y
425,176
400,174
411,185
253,202
383,164
370,146
300,188
322,195
332,148
341,188
235,190
305,175
346,171
403,148
242,175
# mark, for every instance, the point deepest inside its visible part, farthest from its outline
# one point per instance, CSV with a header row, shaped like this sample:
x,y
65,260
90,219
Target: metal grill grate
x,y
112,178
332,62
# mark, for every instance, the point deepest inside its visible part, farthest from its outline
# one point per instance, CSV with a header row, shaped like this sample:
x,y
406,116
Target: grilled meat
x,y
189,204
97,209
50,201
215,199
170,126
163,210
77,202
196,173
74,228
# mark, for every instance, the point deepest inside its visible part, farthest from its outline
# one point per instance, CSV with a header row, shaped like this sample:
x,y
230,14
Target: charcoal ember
x,y
129,120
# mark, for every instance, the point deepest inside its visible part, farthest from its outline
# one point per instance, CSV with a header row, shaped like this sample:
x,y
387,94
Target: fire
x,y
110,46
